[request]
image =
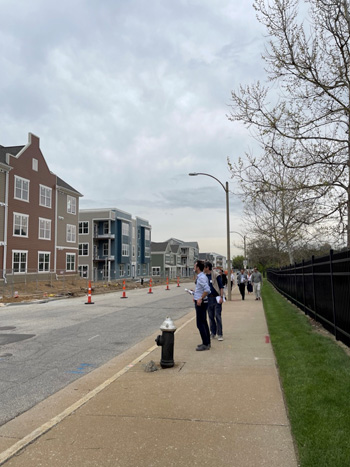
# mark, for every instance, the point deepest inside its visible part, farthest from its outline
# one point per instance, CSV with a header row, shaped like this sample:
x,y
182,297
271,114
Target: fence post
x,y
295,283
304,304
333,296
313,285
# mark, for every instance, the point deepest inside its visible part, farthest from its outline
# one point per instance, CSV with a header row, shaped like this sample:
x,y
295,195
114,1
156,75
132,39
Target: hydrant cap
x,y
168,325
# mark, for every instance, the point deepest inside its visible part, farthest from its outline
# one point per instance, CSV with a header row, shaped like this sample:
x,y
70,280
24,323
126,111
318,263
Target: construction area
x,y
69,286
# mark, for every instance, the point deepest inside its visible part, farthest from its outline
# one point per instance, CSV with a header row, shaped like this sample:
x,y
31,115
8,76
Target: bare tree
x,y
305,121
274,208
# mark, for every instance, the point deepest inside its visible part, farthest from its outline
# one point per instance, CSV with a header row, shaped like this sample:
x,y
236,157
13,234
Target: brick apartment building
x,y
38,214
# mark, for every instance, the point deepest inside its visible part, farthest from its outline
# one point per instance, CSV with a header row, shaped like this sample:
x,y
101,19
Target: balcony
x,y
103,258
104,236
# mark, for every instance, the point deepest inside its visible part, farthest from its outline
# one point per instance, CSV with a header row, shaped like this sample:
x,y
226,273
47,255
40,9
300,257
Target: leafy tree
x,y
304,120
237,262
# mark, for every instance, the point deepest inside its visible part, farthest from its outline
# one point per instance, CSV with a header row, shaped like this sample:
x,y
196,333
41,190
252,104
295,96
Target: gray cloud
x,y
129,97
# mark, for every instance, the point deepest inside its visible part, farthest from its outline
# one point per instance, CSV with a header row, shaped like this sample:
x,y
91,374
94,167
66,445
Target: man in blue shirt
x,y
201,304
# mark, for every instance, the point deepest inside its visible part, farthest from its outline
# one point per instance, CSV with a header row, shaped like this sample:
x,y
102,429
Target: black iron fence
x,y
321,288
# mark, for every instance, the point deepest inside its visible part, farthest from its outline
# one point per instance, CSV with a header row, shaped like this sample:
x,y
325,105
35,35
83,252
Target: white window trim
x,y
72,206
125,249
75,262
50,197
22,215
26,267
71,231
80,267
22,180
44,253
88,226
82,248
45,220
125,229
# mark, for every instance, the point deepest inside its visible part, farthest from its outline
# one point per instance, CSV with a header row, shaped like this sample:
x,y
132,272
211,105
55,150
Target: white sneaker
x,y
213,336
220,338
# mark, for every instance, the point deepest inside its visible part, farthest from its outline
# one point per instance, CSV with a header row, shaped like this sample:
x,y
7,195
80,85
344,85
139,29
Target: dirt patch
x,y
67,288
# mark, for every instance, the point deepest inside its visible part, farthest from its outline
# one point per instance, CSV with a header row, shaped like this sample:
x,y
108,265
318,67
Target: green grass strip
x,y
315,375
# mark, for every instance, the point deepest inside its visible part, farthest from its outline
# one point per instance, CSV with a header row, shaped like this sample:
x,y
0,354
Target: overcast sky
x,y
128,97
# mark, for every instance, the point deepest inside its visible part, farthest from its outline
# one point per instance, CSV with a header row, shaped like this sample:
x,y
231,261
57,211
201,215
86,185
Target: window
x,y
83,271
44,229
84,227
121,270
133,251
105,228
133,232
71,233
70,262
144,269
20,225
21,188
43,262
147,234
128,269
35,164
105,249
147,251
71,205
125,229
125,249
83,249
155,271
19,261
45,196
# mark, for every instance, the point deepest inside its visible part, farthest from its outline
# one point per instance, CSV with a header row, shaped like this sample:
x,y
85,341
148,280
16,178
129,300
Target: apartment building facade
x,y
113,245
173,258
217,260
37,219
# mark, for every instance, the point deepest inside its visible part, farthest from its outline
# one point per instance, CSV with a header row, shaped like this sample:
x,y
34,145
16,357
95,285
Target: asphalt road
x,y
46,346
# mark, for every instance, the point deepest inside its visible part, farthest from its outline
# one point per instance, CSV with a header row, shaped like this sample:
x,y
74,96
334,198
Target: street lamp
x,y
225,187
244,242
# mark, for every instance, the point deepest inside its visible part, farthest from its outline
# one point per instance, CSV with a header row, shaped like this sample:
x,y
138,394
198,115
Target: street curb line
x,y
34,435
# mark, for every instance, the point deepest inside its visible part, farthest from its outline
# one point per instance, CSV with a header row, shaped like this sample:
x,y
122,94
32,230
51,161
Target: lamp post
x,y
225,187
244,242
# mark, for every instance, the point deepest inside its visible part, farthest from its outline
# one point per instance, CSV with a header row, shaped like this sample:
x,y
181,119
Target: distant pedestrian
x,y
201,292
215,299
241,281
232,279
249,282
223,278
257,283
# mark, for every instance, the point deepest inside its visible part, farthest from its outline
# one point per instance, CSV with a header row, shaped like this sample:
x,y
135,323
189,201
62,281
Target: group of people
x,y
209,296
250,280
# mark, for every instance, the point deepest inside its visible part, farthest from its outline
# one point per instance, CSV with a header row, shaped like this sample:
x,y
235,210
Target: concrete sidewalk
x,y
222,407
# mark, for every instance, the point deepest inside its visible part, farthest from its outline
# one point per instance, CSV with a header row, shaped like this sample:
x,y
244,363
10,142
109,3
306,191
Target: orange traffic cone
x,y
150,286
167,284
178,282
89,302
124,294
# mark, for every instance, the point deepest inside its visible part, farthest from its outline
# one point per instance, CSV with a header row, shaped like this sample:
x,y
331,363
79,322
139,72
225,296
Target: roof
x,y
157,247
61,183
14,150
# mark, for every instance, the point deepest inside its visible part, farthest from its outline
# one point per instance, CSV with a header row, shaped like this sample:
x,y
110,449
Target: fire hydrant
x,y
166,341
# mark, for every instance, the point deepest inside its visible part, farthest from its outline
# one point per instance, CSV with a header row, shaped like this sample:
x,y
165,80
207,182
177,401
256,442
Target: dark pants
x,y
202,323
242,290
214,312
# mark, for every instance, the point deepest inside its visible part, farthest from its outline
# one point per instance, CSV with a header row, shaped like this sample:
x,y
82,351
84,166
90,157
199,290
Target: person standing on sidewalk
x,y
215,299
201,304
257,283
241,282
